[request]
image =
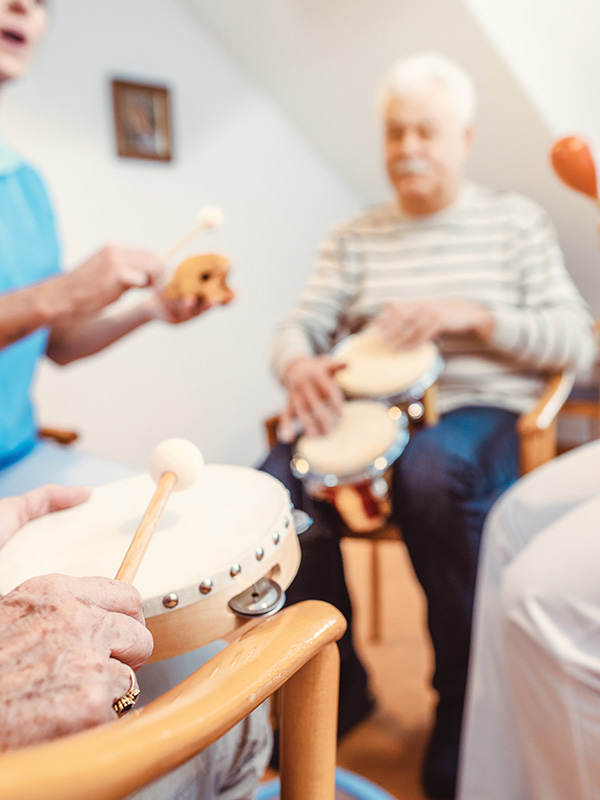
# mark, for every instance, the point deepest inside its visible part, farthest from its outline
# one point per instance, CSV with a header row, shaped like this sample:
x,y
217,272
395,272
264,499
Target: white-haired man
x,y
480,272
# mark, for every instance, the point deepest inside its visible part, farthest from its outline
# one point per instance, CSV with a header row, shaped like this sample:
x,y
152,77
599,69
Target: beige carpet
x,y
388,747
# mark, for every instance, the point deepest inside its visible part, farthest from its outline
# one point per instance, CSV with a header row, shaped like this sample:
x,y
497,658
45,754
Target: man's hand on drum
x,y
66,644
406,325
314,398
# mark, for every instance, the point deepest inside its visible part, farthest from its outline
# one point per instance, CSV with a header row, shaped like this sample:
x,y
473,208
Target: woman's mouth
x,y
12,37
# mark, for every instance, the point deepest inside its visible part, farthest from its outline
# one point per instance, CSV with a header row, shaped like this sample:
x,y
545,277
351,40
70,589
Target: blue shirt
x,y
29,252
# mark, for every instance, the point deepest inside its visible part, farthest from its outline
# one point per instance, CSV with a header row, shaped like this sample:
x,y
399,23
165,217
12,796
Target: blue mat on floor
x,y
348,786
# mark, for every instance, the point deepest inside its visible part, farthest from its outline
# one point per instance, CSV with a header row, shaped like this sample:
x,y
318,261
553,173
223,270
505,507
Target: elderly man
x,y
478,271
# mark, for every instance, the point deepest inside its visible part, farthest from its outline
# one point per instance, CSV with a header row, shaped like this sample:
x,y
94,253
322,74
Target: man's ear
x,y
469,136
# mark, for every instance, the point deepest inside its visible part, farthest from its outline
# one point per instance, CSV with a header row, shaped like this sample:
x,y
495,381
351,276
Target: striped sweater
x,y
494,248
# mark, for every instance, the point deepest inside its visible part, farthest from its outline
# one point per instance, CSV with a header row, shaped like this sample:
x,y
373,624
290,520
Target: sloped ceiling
x,y
551,46
321,61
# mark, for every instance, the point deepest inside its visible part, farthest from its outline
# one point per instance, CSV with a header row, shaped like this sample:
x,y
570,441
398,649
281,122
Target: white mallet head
x,y
178,456
211,217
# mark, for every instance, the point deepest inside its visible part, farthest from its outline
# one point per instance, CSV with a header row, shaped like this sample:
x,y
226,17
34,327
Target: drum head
x,y
227,513
365,432
374,369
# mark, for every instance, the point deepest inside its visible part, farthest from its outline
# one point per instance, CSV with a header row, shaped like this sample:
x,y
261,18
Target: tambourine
x,y
224,550
346,467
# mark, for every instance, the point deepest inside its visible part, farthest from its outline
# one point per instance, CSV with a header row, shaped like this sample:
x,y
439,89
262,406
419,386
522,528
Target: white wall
x,y
207,381
322,59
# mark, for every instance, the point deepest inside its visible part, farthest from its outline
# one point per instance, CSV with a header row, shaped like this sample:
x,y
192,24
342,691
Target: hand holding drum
x,y
174,466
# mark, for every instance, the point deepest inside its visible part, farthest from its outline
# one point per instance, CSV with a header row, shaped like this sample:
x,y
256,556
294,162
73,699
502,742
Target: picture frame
x,y
142,120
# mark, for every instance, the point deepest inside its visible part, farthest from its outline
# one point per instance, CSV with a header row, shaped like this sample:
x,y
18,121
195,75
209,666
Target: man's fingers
x,y
285,430
316,397
305,418
336,366
330,391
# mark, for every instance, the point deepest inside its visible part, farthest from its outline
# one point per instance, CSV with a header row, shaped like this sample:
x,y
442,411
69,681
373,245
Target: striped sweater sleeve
x,y
552,327
309,328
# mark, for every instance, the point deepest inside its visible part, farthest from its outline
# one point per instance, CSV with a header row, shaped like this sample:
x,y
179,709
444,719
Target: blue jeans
x,y
443,486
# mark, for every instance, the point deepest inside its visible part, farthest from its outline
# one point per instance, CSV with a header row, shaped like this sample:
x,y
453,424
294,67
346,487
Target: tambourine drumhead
x,y
365,433
233,517
374,369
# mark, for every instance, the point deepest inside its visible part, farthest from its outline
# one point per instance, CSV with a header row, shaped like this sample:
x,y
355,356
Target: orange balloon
x,y
574,164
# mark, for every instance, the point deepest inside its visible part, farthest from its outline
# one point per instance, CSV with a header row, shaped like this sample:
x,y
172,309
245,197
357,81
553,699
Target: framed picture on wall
x,y
142,115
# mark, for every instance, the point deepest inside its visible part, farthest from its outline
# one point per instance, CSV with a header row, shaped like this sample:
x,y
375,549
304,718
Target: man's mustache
x,y
412,166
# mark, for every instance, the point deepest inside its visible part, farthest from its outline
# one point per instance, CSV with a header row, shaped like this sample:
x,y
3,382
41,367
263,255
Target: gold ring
x,y
129,699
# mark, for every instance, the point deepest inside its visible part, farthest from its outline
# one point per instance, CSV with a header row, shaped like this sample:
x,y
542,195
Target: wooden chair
x,y
537,444
58,435
295,650
585,402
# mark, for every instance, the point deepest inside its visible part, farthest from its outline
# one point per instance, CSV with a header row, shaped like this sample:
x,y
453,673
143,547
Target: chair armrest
x,y
271,426
111,761
547,408
58,435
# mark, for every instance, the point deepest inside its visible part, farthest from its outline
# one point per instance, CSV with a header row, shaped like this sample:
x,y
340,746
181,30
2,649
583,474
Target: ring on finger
x,y
126,702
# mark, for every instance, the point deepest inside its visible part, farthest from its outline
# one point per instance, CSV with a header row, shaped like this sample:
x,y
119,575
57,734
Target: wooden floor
x,y
388,747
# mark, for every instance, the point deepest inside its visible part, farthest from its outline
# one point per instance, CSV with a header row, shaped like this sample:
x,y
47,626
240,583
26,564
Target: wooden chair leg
x,y
376,604
431,413
309,729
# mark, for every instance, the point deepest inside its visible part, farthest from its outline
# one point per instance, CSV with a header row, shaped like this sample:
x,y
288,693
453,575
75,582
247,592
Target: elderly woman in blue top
x,y
43,311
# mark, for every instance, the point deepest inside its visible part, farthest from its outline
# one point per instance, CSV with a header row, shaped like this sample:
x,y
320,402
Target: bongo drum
x,y
375,370
224,550
347,465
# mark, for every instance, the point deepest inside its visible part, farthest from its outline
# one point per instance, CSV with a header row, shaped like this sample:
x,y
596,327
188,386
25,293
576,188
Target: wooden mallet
x,y
209,217
174,466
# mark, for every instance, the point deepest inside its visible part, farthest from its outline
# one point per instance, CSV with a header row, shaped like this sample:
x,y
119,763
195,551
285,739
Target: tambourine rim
x,y
223,579
413,392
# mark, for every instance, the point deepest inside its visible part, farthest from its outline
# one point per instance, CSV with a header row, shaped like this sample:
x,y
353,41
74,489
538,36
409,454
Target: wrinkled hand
x,y
314,398
64,646
408,325
102,279
16,511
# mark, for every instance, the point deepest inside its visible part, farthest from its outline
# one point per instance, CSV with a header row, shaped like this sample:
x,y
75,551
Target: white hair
x,y
424,69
